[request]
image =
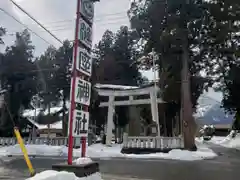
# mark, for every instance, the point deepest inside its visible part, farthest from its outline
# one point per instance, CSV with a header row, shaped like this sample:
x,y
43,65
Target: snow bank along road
x,y
226,166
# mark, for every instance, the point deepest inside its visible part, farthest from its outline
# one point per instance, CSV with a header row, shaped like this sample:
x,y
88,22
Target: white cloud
x,y
109,14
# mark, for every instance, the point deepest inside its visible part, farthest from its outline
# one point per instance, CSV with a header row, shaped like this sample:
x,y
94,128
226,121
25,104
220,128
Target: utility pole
x,y
154,58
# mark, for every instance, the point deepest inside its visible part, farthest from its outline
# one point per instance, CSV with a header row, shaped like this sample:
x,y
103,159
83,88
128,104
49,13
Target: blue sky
x,y
58,16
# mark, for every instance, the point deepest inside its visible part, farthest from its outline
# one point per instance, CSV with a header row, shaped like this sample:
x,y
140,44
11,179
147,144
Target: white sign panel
x,y
87,9
80,123
82,91
85,33
84,62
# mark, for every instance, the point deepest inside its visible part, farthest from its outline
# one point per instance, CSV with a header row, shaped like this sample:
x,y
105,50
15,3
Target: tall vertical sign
x,y
82,69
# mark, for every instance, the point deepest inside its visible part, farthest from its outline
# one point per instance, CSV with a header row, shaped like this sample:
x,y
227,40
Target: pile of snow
x,y
231,141
222,139
85,160
101,151
54,175
38,150
203,152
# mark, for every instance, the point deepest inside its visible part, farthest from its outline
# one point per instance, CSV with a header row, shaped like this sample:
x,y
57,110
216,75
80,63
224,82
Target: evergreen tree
x,y
47,86
63,63
46,77
18,75
115,55
220,38
125,56
231,97
172,29
221,44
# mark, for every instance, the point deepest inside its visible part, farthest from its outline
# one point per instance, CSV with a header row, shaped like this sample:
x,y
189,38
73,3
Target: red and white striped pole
x,y
73,82
81,72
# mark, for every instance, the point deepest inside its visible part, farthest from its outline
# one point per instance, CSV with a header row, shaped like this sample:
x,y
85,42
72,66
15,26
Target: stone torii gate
x,y
112,91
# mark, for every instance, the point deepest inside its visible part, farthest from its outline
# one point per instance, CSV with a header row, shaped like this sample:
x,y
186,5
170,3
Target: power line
x,y
68,22
68,28
19,7
96,19
10,15
62,27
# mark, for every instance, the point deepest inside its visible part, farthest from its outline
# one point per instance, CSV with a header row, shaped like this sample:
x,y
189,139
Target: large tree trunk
x,y
236,122
189,125
134,122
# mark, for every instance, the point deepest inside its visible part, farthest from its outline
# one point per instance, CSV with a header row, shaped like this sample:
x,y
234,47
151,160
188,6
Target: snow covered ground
x,y
101,151
228,141
54,175
38,150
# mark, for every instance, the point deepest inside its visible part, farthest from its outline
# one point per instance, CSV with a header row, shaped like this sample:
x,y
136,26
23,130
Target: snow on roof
x,y
112,86
57,125
2,91
31,112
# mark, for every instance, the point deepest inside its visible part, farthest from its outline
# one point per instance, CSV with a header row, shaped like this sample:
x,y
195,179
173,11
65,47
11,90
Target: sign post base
x,y
81,170
84,146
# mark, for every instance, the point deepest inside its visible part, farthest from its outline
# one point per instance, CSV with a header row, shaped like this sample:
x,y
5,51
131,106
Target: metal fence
x,y
56,141
152,142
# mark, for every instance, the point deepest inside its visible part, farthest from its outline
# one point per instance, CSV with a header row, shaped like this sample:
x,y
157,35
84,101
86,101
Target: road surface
x,y
226,166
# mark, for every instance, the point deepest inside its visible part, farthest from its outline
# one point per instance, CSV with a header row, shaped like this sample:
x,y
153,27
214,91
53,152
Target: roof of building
x,y
121,87
114,87
57,125
2,91
31,112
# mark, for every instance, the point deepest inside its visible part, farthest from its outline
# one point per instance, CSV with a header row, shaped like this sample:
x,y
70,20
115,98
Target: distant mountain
x,y
209,112
204,104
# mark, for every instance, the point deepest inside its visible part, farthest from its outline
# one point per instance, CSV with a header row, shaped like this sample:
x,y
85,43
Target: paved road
x,y
226,166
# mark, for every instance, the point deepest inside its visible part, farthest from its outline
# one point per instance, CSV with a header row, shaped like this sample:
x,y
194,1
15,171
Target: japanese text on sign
x,y
80,123
87,9
82,91
84,62
85,33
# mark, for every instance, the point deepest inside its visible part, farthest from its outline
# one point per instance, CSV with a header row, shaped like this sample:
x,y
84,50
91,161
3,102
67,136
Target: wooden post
x,y
125,139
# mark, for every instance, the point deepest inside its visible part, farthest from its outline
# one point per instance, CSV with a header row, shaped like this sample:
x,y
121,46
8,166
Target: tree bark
x,y
134,122
189,125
